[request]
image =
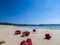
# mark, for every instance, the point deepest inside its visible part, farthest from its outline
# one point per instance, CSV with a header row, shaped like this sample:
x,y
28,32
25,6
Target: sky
x,y
30,11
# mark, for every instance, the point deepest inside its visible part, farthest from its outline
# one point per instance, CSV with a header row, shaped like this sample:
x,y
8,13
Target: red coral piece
x,y
34,30
47,36
29,41
23,42
26,33
23,34
17,32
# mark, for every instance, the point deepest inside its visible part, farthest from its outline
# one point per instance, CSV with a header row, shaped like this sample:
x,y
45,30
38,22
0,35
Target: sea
x,y
47,26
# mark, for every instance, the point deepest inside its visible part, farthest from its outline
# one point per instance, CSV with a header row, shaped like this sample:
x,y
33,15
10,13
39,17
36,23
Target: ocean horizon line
x,y
7,23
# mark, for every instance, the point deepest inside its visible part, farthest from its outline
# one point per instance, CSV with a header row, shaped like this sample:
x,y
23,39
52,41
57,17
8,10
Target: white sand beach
x,y
7,34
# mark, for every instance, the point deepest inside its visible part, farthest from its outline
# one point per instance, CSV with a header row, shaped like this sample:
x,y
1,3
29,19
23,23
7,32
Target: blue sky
x,y
30,11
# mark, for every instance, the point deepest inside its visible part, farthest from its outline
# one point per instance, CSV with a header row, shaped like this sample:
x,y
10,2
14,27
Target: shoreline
x,y
7,34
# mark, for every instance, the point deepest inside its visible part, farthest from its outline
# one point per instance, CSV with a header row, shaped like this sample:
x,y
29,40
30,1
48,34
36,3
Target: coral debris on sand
x,y
17,32
47,36
27,42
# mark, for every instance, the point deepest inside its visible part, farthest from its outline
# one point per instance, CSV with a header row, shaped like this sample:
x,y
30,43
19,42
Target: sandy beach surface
x,y
7,34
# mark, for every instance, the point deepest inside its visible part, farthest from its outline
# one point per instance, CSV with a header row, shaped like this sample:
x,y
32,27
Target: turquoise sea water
x,y
49,26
